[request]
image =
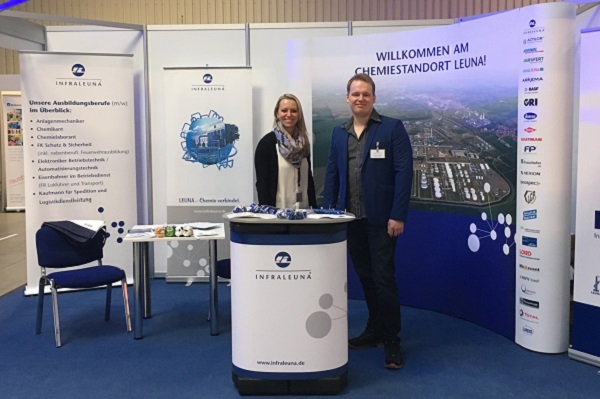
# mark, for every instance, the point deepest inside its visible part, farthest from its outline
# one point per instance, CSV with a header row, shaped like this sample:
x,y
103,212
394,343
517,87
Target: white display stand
x,y
289,305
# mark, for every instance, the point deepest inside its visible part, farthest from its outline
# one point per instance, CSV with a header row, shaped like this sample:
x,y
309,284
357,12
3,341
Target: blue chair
x,y
224,268
57,251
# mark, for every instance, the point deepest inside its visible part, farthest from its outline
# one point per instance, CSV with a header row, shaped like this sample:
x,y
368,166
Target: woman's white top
x,y
287,183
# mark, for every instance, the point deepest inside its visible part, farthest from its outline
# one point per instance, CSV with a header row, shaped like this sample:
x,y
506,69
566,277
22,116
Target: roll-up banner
x,y
466,94
78,121
209,156
13,186
585,338
544,178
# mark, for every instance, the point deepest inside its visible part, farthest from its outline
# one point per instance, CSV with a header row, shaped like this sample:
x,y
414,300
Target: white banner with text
x,y
78,119
209,152
13,186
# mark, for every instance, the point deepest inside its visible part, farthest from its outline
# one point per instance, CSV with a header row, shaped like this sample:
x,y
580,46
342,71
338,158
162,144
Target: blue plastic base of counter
x,y
332,385
586,329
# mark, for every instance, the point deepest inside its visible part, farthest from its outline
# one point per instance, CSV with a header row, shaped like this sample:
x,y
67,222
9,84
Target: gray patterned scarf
x,y
289,147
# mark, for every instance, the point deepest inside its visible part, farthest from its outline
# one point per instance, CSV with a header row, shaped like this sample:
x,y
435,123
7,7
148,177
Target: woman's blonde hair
x,y
301,125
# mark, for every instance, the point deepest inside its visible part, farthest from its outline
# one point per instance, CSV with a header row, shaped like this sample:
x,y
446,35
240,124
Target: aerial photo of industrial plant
x,y
462,138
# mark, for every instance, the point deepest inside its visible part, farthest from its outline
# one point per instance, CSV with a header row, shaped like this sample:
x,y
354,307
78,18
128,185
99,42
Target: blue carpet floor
x,y
444,357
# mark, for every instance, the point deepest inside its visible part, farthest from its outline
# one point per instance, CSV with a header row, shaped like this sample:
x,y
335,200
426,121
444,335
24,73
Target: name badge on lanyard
x,y
377,153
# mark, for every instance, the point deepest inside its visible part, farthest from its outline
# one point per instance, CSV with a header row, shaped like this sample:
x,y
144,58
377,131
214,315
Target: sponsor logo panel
x,y
596,286
528,316
531,163
529,279
529,241
530,197
529,302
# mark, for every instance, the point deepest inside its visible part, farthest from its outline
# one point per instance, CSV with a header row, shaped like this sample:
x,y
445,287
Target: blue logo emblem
x,y
207,78
530,116
529,241
283,259
597,220
78,70
528,215
532,23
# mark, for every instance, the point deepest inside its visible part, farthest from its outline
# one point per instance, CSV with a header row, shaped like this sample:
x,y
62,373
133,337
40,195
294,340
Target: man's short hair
x,y
363,77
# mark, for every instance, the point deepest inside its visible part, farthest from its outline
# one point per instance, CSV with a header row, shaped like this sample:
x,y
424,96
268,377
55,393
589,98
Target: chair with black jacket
x,y
55,250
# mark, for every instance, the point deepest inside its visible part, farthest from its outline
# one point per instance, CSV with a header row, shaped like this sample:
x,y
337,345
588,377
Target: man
x,y
369,173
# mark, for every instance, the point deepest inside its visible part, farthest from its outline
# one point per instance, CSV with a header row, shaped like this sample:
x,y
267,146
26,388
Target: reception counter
x,y
289,305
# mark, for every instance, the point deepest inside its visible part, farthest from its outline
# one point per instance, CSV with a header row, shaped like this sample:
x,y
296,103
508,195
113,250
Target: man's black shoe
x,y
393,354
368,339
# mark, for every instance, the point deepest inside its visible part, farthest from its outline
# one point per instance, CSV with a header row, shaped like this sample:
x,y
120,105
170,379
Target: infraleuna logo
x,y
283,259
207,78
78,70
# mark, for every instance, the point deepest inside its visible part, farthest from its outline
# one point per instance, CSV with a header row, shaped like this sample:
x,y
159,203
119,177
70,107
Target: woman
x,y
282,160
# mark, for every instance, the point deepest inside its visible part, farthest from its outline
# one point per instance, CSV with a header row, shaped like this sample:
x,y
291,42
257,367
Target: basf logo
x,y
527,330
283,259
531,214
529,129
530,102
530,116
78,70
529,241
530,196
533,89
529,149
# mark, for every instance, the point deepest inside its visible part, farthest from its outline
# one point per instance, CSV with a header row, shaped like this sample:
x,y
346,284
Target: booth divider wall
x,y
264,47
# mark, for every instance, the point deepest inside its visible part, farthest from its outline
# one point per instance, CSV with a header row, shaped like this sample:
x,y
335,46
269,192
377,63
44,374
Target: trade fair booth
x,y
492,105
